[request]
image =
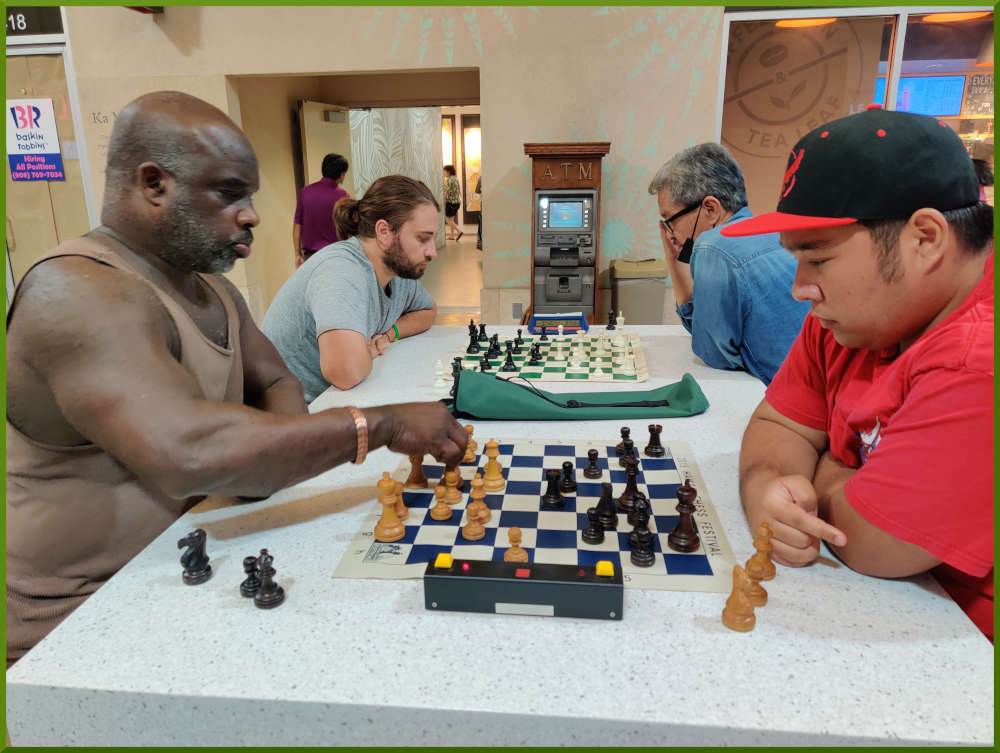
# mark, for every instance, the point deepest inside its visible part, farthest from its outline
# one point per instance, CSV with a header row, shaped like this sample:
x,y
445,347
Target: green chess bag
x,y
491,396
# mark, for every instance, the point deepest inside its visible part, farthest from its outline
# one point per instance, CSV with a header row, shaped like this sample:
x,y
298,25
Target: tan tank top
x,y
75,515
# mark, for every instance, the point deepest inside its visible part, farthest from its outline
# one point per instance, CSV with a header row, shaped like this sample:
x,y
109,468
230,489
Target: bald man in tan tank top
x,y
137,381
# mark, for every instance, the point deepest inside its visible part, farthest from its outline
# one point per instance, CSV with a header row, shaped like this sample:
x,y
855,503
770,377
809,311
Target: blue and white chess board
x,y
552,536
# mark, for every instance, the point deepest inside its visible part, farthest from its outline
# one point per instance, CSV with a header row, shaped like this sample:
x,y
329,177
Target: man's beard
x,y
395,259
192,244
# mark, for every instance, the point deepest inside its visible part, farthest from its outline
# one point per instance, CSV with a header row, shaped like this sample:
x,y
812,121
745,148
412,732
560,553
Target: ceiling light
x,y
801,23
944,18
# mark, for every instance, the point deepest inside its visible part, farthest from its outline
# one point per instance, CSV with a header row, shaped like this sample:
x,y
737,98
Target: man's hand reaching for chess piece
x,y
417,429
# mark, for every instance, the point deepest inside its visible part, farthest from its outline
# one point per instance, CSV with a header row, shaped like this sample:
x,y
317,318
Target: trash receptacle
x,y
638,289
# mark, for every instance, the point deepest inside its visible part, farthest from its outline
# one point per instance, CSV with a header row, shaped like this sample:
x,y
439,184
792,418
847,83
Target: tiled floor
x,y
455,278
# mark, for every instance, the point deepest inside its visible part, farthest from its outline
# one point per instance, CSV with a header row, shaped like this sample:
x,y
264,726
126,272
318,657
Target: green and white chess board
x,y
584,357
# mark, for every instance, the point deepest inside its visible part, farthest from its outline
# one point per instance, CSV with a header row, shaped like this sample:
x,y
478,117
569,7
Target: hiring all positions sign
x,y
32,140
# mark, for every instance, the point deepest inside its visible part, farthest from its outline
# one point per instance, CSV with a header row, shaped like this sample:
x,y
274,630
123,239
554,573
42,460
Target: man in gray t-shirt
x,y
349,301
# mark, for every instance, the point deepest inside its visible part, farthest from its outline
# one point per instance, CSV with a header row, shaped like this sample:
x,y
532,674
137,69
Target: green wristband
x,y
396,330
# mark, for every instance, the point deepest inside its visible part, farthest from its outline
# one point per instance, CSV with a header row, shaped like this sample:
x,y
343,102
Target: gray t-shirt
x,y
335,288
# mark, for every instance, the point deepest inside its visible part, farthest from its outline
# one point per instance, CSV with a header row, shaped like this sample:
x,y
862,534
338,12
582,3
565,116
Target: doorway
x,y
283,117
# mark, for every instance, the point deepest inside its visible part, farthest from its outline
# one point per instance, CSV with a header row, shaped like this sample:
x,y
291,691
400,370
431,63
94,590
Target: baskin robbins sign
x,y
32,140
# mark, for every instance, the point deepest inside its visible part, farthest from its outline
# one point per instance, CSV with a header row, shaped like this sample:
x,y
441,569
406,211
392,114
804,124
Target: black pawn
x,y
625,432
552,499
628,451
684,538
195,561
642,553
640,522
544,337
606,513
568,482
270,594
611,319
484,363
508,363
473,344
519,340
592,471
654,449
251,585
495,345
628,497
482,333
594,532
533,357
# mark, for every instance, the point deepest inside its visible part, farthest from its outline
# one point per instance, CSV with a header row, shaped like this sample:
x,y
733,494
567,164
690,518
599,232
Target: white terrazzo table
x,y
836,658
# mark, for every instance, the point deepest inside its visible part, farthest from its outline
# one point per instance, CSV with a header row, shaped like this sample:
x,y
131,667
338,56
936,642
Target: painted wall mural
x,y
402,140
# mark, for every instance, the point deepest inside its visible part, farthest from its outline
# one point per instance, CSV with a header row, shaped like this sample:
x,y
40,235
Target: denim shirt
x,y
741,314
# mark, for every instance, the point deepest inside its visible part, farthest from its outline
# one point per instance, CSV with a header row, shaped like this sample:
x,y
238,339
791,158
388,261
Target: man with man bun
x,y
346,305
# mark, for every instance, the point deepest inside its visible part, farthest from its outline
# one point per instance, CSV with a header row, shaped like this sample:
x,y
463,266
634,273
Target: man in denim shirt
x,y
733,294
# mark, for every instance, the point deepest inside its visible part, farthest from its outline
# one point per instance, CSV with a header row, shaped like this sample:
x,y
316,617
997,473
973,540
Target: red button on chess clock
x,y
522,572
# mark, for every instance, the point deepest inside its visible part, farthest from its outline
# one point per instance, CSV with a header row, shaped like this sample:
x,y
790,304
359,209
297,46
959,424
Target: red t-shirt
x,y
919,429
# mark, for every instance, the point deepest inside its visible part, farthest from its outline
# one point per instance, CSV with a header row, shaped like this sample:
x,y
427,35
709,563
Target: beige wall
x,y
266,105
644,79
403,88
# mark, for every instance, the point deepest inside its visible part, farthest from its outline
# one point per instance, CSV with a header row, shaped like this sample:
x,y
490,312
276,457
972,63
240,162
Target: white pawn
x,y
620,321
560,332
629,369
439,375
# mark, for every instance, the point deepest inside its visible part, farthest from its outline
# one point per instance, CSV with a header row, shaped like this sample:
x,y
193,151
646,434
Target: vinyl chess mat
x,y
556,352
552,536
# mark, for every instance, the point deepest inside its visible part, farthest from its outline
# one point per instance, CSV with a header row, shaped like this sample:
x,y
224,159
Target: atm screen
x,y
565,214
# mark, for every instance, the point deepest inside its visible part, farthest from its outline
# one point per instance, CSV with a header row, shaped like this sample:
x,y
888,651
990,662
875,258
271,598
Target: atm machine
x,y
565,250
565,226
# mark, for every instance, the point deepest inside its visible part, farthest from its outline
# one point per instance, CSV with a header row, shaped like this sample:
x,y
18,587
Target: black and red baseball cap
x,y
874,165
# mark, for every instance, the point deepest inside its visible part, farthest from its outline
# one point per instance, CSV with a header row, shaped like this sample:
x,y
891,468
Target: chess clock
x,y
543,590
571,323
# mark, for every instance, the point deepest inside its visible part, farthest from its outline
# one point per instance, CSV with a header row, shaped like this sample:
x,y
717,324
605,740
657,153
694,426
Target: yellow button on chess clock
x,y
444,561
604,567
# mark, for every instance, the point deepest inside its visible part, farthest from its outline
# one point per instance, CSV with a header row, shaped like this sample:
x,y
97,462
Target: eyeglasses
x,y
676,216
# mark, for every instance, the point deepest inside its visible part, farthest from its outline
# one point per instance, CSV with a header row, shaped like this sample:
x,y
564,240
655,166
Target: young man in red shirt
x,y
876,433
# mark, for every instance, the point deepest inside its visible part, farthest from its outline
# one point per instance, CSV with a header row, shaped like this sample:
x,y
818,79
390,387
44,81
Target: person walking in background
x,y
452,200
479,229
314,228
